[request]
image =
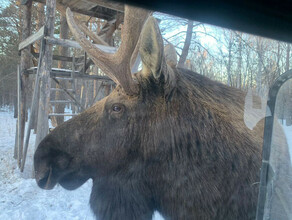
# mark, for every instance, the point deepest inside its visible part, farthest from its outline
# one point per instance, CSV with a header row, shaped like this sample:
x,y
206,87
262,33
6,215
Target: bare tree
x,y
187,43
239,60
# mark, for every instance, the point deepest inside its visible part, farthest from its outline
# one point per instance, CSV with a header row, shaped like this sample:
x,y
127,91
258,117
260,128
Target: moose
x,y
165,139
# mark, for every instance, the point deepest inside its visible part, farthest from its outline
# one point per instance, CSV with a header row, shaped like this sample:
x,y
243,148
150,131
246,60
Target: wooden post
x,y
35,119
24,64
63,51
33,107
73,84
45,69
19,117
97,92
15,142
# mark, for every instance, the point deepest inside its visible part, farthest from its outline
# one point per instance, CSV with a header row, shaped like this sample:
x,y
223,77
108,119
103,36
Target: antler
x,y
116,66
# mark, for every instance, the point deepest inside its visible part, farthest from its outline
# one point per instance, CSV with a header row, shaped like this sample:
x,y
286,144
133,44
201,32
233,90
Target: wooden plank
x,y
72,3
94,8
87,65
83,5
62,114
109,4
75,44
15,143
62,90
84,63
32,38
70,95
24,64
86,77
97,12
61,101
63,42
94,77
58,57
25,2
56,72
18,117
98,90
33,108
96,39
74,85
40,1
62,78
45,70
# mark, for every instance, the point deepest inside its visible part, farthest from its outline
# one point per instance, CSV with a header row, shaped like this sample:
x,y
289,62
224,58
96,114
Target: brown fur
x,y
188,152
180,147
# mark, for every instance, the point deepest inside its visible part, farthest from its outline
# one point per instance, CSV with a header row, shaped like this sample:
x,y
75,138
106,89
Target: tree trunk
x,y
239,61
229,80
259,73
40,20
187,44
245,73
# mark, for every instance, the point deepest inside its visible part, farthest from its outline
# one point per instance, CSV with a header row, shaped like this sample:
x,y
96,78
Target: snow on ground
x,y
20,197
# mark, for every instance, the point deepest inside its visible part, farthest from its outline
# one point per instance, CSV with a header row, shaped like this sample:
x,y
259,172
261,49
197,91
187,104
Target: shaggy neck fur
x,y
189,134
120,197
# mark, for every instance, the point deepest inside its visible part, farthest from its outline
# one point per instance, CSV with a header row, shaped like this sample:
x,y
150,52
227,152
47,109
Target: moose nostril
x,y
42,182
45,181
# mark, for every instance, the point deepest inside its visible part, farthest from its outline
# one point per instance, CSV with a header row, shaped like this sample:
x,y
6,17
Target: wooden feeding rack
x,y
44,71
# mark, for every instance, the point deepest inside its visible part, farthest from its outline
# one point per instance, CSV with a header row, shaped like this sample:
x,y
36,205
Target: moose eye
x,y
116,108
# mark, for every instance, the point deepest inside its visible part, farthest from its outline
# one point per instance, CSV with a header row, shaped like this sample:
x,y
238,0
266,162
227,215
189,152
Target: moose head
x,y
109,139
165,139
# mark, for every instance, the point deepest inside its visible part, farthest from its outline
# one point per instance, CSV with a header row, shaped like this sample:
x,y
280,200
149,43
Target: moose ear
x,y
151,49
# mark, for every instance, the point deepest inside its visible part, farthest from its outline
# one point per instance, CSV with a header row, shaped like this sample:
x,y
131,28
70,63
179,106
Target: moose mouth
x,y
70,181
46,181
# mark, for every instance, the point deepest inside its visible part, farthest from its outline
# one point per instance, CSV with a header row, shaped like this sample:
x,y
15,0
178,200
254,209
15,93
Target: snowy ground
x,y
21,199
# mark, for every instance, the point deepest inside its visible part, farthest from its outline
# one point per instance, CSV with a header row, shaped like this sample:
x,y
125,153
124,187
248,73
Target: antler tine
x,y
116,66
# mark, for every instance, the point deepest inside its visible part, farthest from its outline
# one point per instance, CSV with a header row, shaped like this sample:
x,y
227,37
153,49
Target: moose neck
x,y
123,195
184,135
